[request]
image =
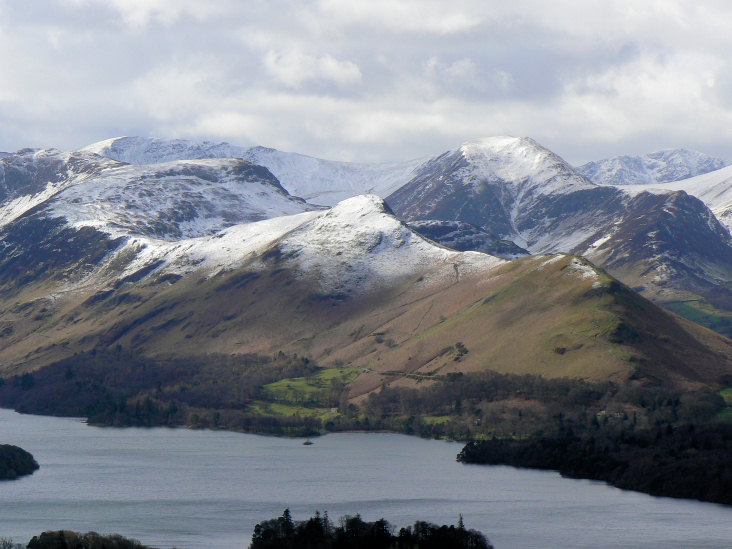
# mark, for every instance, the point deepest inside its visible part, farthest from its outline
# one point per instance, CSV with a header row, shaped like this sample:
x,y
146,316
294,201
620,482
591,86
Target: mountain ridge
x,y
88,264
713,188
319,181
664,166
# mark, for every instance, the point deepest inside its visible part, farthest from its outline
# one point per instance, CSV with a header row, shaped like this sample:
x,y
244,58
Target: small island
x,y
66,539
352,532
317,532
15,462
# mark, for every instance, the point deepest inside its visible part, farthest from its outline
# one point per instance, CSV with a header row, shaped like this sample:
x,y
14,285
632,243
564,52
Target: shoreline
x,y
465,444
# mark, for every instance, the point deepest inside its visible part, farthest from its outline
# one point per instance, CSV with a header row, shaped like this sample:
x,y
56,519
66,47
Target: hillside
x,y
377,297
666,244
186,257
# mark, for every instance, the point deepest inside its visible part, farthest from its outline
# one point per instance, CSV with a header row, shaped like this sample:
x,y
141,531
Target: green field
x,y
320,388
726,414
264,408
435,420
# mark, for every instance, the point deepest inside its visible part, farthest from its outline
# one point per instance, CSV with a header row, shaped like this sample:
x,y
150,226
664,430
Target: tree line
x,y
116,387
686,461
352,532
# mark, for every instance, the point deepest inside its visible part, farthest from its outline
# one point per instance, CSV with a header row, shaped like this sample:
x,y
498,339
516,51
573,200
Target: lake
x,y
207,489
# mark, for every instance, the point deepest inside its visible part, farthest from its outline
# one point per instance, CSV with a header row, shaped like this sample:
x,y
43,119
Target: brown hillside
x,y
555,316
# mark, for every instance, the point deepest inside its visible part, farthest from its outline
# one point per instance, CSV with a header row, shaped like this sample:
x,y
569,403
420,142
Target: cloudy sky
x,y
370,80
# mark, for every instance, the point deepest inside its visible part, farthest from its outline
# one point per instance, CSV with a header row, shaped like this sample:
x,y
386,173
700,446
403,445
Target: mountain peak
x,y
518,160
364,204
503,146
499,142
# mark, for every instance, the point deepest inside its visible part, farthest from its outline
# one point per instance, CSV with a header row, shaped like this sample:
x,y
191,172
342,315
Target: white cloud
x,y
141,13
170,93
293,68
401,15
464,70
465,77
233,124
651,92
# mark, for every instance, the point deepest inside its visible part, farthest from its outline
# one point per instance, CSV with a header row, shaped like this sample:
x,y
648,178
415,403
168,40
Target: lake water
x,y
207,489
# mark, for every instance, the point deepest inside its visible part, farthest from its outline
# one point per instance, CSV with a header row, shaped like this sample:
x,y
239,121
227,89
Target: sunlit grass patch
x,y
312,388
436,420
282,409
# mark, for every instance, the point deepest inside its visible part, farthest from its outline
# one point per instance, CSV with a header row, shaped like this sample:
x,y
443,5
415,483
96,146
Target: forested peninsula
x,y
15,462
684,462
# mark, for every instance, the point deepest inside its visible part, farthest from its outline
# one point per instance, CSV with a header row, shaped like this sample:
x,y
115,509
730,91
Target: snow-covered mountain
x,y
127,208
150,150
171,200
318,181
355,246
174,200
656,167
713,188
510,190
512,187
666,243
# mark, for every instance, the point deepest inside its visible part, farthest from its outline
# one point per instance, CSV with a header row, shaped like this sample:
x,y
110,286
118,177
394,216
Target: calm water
x,y
204,489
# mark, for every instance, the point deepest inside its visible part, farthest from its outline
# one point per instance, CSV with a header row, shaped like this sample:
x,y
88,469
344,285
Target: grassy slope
x,y
528,316
532,317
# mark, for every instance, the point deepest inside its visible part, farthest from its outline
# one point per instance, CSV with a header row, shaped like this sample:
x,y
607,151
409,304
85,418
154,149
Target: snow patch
x,y
583,270
552,259
600,241
10,211
357,245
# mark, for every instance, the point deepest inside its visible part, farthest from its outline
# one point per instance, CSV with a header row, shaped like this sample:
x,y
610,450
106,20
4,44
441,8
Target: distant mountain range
x,y
180,247
657,167
318,181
